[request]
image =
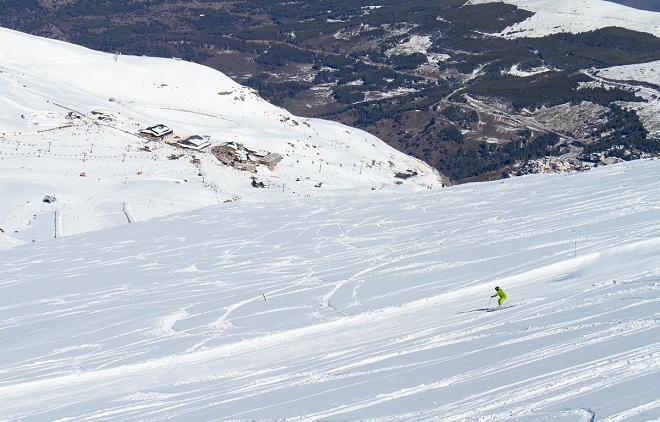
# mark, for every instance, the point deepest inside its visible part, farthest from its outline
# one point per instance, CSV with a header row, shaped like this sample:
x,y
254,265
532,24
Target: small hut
x,y
194,142
156,133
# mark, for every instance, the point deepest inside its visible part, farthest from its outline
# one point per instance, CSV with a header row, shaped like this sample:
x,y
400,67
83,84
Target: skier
x,y
499,292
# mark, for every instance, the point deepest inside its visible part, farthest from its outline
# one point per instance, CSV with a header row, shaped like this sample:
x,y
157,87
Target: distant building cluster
x,y
231,154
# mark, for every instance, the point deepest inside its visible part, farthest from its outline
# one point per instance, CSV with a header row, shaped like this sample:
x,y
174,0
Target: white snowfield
x,y
370,308
95,163
575,16
642,72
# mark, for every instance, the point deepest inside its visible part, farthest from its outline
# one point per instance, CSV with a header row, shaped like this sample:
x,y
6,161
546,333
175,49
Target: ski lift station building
x,y
194,142
156,133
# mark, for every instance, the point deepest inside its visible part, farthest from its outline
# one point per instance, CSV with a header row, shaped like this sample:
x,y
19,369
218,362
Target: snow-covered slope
x,y
555,16
352,308
44,152
644,79
7,242
642,72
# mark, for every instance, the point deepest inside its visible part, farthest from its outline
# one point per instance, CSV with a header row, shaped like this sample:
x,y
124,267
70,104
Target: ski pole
x,y
490,300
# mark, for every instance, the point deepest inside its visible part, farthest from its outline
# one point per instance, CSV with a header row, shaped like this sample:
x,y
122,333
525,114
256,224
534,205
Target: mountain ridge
x,y
575,16
72,119
640,4
406,82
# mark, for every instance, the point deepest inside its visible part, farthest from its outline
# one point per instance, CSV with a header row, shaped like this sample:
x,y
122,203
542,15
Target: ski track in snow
x,y
373,309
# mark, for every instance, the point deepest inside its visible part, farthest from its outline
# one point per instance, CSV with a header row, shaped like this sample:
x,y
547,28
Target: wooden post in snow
x,y
128,212
58,224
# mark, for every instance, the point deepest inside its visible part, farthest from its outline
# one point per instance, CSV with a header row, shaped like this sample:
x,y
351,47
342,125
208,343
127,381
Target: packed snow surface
x,y
361,307
556,16
69,119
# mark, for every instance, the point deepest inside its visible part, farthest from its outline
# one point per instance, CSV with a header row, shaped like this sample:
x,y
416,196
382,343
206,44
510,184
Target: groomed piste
x,y
350,308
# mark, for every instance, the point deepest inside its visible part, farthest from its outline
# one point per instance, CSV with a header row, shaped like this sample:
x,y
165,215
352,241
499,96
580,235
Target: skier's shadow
x,y
477,310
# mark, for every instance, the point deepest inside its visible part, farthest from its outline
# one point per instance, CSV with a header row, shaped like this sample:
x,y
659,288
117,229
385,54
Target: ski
x,y
499,308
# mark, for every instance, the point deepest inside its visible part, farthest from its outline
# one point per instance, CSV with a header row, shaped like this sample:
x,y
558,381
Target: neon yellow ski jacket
x,y
500,293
